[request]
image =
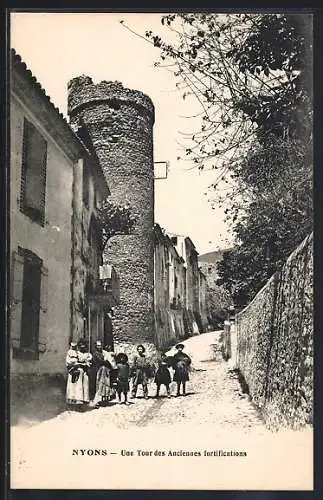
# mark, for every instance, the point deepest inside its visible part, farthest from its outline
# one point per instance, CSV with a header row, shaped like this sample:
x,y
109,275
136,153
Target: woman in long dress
x,y
103,364
78,362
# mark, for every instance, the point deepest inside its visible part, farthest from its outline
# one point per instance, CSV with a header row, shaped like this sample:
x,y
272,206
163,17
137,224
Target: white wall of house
x,y
52,243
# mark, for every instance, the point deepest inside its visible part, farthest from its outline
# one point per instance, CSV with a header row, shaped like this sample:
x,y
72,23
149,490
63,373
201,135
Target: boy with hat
x,y
181,365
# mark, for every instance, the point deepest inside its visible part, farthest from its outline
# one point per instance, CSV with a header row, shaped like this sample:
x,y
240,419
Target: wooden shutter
x,y
31,301
33,177
43,310
16,292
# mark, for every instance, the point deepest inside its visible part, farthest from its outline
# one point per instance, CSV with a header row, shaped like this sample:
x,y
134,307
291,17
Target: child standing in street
x,y
181,368
141,371
123,375
162,376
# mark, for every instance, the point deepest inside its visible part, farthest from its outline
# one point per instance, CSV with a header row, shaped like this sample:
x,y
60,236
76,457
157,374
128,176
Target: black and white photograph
x,y
161,250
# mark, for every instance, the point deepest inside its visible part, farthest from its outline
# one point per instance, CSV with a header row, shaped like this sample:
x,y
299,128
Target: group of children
x,y
109,373
142,371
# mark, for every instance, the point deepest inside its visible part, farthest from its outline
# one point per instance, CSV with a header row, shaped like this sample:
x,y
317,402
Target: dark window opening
x,y
86,184
33,173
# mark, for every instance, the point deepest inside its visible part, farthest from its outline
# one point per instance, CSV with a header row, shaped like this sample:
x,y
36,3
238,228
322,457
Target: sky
x,y
59,46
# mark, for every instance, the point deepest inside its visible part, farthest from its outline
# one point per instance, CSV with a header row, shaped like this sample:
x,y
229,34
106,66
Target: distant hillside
x,y
212,257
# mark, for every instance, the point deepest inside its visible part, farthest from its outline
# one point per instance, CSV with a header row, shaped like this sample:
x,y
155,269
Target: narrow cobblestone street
x,y
213,397
214,416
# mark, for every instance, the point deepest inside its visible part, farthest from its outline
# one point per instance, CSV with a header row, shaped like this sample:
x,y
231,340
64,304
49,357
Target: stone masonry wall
x,y
120,124
169,323
78,272
275,343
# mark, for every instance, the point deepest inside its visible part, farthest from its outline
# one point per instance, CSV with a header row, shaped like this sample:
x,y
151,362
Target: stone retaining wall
x,y
275,343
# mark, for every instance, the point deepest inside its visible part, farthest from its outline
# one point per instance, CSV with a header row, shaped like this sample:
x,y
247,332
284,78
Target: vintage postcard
x,y
161,262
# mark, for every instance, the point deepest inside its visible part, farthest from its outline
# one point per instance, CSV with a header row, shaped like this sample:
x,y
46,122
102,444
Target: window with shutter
x,y
33,173
30,310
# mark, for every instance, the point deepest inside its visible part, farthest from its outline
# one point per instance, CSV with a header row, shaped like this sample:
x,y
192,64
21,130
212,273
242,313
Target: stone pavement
x,y
213,397
214,417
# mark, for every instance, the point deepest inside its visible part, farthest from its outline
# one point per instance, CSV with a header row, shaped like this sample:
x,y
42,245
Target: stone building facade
x,y
192,287
119,122
169,289
55,186
186,249
180,289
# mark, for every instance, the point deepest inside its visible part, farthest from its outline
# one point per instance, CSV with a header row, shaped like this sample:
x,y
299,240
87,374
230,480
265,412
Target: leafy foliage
x,y
244,70
115,220
279,43
276,218
252,76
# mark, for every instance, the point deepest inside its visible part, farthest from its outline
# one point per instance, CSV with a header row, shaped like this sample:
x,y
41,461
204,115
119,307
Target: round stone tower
x,y
120,124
